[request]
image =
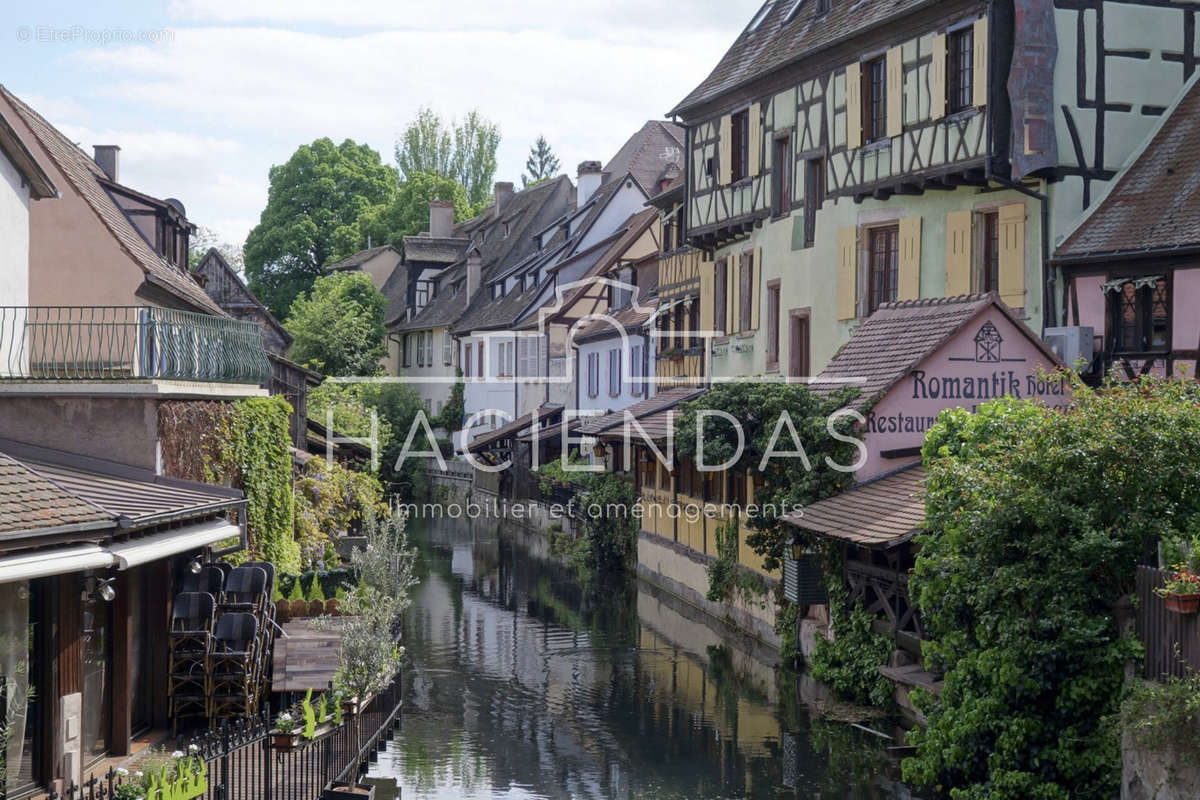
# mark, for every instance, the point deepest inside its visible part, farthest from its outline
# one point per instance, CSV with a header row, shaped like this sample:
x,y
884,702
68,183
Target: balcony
x,y
128,343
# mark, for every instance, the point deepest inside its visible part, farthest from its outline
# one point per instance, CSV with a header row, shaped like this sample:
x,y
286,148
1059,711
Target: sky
x,y
204,96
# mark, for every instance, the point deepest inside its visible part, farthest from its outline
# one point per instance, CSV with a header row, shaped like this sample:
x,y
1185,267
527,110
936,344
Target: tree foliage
x,y
784,483
542,164
1036,520
463,151
314,201
338,328
328,499
406,215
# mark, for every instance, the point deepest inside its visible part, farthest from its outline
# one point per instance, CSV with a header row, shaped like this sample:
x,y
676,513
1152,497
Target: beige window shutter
x,y
733,279
979,66
853,106
755,283
895,92
937,78
707,288
909,285
1012,255
958,252
847,274
725,151
756,139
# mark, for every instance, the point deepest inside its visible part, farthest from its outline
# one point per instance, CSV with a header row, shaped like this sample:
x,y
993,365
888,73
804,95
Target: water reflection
x,y
525,684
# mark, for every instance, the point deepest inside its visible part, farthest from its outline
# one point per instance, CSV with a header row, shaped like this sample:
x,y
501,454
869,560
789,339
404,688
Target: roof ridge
x,y
937,301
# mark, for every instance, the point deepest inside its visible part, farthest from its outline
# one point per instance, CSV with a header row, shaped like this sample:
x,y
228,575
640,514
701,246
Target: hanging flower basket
x,y
284,742
1181,591
1182,603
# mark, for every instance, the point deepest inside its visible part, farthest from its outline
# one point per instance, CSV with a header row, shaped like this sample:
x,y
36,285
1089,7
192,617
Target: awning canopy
x,y
883,512
512,429
143,550
42,563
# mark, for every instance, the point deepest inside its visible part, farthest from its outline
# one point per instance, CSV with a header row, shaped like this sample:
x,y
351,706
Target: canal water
x,y
524,684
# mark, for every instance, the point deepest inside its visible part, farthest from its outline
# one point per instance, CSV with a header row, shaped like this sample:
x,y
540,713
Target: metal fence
x,y
126,342
243,764
1172,640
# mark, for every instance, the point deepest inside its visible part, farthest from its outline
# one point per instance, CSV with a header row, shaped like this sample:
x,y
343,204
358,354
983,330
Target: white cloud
x,y
203,117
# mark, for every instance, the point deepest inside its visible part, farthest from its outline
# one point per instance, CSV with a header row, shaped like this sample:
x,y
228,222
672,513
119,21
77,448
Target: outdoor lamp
x,y
104,588
195,566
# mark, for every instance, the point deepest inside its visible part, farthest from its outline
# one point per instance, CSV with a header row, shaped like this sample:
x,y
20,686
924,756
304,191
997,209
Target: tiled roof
x,y
630,318
662,401
648,153
40,185
32,502
895,339
440,312
783,37
361,257
881,512
1155,203
513,428
87,179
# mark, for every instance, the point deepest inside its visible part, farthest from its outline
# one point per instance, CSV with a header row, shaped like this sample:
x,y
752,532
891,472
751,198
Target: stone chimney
x,y
504,193
441,219
107,158
474,273
588,180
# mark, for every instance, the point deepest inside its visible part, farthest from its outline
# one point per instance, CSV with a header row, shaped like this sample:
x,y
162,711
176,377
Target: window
x,y
884,259
959,73
447,348
693,326
528,350
680,228
614,372
479,361
505,367
814,197
746,292
988,266
593,374
664,331
874,113
822,6
680,325
721,296
405,359
635,370
421,348
781,177
761,15
739,149
799,364
467,363
1141,316
773,325
497,290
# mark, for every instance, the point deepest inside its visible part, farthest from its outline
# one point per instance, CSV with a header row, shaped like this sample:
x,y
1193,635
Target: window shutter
x,y
979,66
707,273
847,299
937,78
756,140
958,252
909,286
755,283
895,92
725,151
1012,255
853,106
732,286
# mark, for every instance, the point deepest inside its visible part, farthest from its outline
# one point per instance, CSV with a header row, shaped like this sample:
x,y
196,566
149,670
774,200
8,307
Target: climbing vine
x,y
329,500
727,579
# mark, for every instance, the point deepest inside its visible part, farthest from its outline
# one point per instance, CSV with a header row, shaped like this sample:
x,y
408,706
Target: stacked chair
x,y
221,640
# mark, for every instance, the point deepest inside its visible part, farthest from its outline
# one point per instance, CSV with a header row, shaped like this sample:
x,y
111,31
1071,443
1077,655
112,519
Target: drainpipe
x,y
1049,279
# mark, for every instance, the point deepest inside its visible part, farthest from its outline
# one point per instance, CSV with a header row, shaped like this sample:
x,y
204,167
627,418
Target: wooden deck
x,y
305,658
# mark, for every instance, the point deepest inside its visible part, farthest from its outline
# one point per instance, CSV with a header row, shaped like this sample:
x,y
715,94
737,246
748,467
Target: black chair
x,y
192,618
269,604
233,667
190,638
209,579
245,590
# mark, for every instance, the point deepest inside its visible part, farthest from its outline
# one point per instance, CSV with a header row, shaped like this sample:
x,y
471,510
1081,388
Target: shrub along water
x,y
1035,522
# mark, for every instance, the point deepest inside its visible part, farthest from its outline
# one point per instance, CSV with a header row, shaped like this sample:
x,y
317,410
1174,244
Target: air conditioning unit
x,y
1071,345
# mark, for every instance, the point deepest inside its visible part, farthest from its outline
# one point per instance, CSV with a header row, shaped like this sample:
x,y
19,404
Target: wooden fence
x,y
1172,640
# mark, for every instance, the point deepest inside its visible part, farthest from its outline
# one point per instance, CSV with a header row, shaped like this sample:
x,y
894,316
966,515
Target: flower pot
x,y
349,791
284,742
1182,603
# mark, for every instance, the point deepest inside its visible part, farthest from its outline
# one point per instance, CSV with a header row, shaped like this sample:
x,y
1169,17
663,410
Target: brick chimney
x,y
107,158
441,219
474,273
588,180
504,193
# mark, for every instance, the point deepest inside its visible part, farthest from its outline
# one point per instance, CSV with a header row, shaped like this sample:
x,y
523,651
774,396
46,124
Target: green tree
x,y
406,215
314,202
338,327
464,151
1035,522
205,238
542,164
783,483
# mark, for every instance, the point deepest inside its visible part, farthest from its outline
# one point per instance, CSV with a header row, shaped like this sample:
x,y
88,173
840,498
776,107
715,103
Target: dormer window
x,y
497,291
506,229
761,15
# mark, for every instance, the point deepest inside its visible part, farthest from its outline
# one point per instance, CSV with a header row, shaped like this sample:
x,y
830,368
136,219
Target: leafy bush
x,y
329,499
850,663
1162,716
1035,522
610,535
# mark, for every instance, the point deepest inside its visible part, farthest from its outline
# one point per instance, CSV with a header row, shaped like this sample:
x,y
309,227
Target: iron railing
x,y
110,343
243,764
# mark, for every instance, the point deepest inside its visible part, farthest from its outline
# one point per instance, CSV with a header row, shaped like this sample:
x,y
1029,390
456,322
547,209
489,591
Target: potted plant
x,y
339,790
283,737
1181,592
